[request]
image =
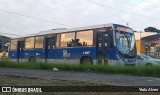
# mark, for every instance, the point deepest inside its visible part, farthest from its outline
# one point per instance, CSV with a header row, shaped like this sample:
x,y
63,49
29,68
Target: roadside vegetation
x,y
149,71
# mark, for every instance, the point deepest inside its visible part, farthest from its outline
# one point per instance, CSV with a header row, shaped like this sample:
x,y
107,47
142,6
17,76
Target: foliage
x,y
153,71
157,48
151,29
3,58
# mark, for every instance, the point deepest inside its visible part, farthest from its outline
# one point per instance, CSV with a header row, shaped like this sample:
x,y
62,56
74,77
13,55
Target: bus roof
x,y
61,30
73,29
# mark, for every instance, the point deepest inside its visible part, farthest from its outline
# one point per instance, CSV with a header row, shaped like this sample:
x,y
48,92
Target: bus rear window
x,y
29,43
13,44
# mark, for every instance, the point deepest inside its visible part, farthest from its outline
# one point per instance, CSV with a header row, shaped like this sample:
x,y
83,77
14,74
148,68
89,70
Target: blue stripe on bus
x,y
57,53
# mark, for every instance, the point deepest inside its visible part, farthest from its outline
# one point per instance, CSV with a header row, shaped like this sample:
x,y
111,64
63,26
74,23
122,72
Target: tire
x,y
149,64
32,59
87,60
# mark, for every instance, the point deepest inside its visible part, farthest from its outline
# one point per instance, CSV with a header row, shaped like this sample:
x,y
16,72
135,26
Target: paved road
x,y
119,80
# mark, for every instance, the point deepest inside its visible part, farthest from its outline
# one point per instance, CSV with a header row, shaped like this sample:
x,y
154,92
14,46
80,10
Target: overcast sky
x,y
76,13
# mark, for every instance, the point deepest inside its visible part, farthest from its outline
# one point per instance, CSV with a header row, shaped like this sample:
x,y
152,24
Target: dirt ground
x,y
7,80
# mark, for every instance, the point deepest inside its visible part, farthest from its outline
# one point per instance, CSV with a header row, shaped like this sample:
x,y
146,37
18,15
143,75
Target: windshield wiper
x,y
129,43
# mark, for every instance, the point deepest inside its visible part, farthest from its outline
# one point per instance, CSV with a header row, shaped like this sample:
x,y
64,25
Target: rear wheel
x,y
32,59
87,60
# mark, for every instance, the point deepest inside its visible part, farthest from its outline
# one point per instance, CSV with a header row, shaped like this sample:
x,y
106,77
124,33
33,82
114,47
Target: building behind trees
x,y
3,43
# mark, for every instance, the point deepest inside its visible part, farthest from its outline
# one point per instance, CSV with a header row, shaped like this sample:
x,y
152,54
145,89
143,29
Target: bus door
x,y
49,47
20,51
102,47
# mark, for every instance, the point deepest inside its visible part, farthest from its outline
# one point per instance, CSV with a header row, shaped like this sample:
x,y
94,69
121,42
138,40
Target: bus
x,y
111,44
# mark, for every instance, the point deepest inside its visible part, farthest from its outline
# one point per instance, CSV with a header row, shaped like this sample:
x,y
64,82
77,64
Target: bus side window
x,y
13,44
29,43
84,38
67,39
70,43
39,42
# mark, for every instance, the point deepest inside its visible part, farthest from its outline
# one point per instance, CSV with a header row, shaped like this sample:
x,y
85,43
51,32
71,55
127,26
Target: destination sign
x,y
124,29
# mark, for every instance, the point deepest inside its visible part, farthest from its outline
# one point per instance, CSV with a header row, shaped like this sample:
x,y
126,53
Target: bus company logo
x,y
6,89
65,53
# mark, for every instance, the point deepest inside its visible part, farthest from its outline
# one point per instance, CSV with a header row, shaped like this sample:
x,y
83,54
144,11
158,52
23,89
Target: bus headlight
x,y
119,57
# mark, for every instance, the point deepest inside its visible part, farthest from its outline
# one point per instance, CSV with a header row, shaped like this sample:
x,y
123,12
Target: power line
x,y
9,34
148,1
34,17
121,10
135,5
69,25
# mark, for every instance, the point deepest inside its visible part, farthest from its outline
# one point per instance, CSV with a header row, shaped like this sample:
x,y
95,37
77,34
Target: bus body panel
x,y
58,53
75,53
36,52
112,54
13,54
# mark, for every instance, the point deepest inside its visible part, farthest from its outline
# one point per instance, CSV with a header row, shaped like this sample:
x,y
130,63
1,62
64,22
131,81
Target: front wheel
x,y
149,64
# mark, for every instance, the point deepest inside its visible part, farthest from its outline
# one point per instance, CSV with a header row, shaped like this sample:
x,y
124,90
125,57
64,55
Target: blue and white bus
x,y
100,44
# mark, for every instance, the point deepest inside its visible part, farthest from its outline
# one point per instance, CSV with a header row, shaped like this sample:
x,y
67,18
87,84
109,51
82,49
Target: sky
x,y
23,17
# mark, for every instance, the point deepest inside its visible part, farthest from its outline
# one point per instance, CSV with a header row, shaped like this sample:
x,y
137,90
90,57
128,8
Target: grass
x,y
150,71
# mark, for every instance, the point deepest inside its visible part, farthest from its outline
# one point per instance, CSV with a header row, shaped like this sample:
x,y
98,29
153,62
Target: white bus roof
x,y
68,30
73,29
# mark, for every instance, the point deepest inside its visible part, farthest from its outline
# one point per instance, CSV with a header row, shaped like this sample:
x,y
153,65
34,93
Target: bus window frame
x,y
108,30
34,43
11,45
58,41
43,41
92,38
111,31
66,33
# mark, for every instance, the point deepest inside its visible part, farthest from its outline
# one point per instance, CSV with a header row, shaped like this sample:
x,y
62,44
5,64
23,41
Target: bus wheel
x,y
149,64
86,60
32,59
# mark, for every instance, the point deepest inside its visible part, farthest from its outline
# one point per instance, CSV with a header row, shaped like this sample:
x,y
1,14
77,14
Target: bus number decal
x,y
26,53
86,52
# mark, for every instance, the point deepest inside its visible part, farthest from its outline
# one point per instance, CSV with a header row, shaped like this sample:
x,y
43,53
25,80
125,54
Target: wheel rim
x,y
87,61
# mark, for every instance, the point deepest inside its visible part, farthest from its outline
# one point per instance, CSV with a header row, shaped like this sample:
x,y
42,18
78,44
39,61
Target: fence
x,y
153,54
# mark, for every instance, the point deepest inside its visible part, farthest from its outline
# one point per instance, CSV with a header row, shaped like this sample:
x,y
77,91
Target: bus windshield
x,y
125,43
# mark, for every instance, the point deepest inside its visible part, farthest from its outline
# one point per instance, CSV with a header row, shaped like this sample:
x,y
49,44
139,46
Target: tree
x,y
151,29
157,48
